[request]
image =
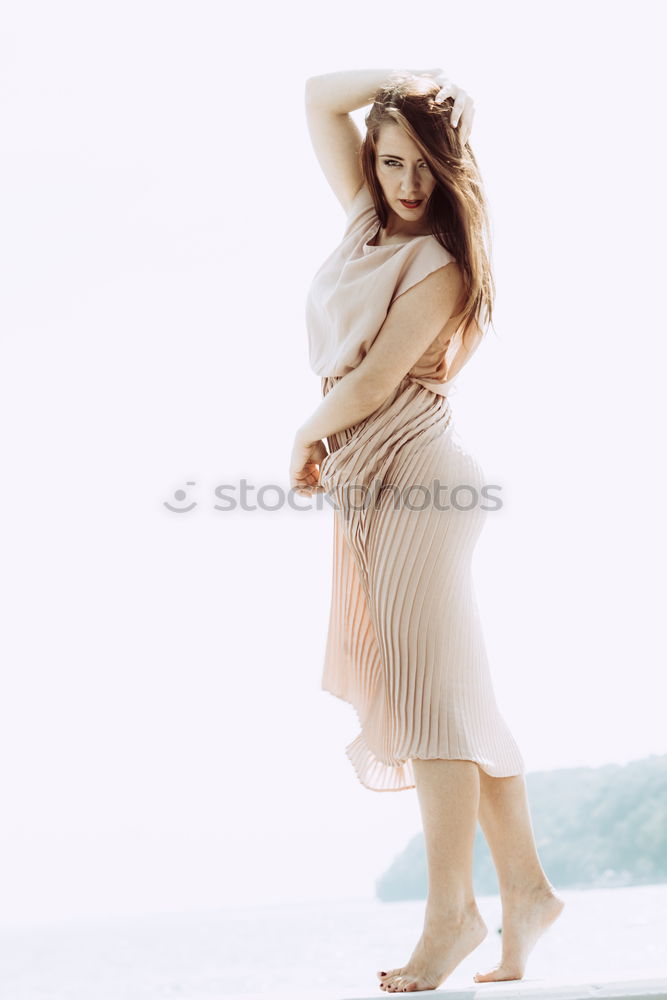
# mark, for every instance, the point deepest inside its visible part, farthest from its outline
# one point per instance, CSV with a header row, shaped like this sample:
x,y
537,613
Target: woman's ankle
x,y
452,907
527,890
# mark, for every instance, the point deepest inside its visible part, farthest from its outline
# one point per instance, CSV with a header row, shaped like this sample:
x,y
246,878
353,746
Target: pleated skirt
x,y
405,645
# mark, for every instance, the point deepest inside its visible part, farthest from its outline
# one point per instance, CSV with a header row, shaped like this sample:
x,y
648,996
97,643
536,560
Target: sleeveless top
x,y
350,295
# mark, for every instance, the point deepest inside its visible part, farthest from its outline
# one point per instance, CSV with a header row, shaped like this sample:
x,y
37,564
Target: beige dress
x,y
405,645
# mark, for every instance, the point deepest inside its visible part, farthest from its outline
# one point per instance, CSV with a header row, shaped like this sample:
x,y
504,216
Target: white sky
x,y
164,742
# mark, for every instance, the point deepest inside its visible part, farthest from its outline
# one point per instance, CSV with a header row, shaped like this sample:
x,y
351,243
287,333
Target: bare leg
x,y
530,904
449,795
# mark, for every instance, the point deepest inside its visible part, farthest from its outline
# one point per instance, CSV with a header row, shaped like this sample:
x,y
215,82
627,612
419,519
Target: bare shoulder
x,y
443,285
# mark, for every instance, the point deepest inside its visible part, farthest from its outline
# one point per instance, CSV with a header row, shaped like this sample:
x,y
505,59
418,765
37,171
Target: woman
x,y
393,315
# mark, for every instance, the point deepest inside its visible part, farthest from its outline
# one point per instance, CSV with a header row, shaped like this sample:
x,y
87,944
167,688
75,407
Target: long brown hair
x,y
456,212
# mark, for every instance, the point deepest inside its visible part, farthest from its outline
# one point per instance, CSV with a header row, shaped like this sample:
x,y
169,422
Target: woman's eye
x,y
390,163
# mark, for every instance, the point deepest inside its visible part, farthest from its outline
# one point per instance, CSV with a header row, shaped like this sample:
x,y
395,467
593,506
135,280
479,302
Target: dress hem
x,y
401,762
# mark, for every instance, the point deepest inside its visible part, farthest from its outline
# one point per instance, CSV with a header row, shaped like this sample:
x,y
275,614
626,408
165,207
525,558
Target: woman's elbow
x,y
372,391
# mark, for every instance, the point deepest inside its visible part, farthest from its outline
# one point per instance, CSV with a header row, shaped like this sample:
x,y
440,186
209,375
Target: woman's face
x,y
403,173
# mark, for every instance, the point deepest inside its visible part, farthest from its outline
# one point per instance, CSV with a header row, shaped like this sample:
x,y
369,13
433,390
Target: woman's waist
x,y
411,415
435,386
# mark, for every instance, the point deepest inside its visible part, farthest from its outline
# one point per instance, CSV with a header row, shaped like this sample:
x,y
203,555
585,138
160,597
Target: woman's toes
x,y
501,974
397,984
385,976
483,977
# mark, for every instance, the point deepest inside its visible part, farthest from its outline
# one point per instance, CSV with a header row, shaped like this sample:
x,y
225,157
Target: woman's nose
x,y
409,186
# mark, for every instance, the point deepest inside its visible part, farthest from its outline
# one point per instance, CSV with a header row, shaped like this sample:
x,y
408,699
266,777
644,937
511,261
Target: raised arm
x,y
334,134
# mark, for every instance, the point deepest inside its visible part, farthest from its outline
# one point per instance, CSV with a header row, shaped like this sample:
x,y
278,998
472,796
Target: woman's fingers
x,y
459,106
446,88
463,109
306,481
467,120
305,465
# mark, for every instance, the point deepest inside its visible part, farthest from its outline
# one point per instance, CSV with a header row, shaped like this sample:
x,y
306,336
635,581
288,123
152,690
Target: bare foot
x,y
525,919
446,940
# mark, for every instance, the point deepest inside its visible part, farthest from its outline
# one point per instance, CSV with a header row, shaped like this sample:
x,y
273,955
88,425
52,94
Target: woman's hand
x,y
303,470
464,107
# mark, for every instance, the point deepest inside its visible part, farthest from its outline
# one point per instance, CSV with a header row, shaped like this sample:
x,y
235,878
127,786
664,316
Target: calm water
x,y
326,951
